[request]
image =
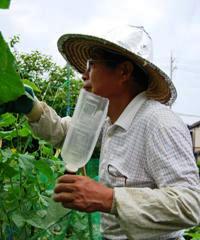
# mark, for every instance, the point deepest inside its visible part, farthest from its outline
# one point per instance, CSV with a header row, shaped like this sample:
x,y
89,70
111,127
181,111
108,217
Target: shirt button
x,y
110,133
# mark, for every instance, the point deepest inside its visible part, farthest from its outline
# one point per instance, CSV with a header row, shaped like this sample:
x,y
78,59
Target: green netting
x,y
76,225
92,170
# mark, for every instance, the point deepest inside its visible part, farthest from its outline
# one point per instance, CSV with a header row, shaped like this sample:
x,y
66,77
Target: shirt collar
x,y
130,111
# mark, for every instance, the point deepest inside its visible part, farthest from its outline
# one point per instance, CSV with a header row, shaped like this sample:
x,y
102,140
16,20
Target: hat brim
x,y
77,48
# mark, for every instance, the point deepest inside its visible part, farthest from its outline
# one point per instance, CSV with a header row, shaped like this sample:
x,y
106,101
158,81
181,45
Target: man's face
x,y
101,79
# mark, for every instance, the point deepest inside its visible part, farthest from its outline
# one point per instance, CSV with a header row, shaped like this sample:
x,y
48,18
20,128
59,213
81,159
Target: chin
x,y
99,93
89,89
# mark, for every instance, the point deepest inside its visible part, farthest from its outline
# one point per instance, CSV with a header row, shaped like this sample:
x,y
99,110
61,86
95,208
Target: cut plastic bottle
x,y
85,126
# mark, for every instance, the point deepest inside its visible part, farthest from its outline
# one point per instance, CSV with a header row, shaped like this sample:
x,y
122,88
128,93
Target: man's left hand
x,y
83,194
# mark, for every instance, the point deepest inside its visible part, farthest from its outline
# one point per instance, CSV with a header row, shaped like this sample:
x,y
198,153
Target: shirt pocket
x,y
115,177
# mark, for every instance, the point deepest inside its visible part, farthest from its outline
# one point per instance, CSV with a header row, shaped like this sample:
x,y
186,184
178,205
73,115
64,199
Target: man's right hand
x,y
23,104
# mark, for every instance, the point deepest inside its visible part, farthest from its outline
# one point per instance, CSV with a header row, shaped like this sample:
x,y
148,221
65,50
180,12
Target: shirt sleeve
x,y
145,213
51,127
174,204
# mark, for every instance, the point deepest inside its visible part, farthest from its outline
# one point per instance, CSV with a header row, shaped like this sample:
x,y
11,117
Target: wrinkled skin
x,y
83,194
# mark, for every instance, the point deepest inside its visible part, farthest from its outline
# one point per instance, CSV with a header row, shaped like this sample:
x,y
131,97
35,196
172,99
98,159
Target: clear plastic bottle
x,y
88,118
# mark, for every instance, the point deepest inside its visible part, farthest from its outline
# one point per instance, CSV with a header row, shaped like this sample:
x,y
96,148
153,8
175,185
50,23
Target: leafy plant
x,y
26,182
59,87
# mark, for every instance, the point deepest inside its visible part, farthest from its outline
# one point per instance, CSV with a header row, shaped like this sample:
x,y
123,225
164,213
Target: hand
x,y
23,104
83,194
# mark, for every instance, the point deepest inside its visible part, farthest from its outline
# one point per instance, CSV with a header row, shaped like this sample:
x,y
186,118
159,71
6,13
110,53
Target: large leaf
x,y
4,4
44,168
54,213
11,86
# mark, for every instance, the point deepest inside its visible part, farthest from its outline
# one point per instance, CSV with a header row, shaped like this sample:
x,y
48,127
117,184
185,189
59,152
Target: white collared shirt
x,y
147,147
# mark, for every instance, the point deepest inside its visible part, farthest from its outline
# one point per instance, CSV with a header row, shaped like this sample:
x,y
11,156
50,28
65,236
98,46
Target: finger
x,y
64,187
67,178
63,197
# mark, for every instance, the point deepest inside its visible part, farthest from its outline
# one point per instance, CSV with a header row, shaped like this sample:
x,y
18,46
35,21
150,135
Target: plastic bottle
x,y
87,121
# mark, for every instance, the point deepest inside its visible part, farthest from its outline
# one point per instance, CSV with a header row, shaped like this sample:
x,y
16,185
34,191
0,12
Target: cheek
x,y
95,78
103,82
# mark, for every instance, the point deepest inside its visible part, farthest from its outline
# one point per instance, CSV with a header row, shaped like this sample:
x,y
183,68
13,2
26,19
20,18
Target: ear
x,y
126,69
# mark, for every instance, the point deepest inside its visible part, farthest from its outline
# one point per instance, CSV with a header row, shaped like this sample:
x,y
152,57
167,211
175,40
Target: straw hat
x,y
132,42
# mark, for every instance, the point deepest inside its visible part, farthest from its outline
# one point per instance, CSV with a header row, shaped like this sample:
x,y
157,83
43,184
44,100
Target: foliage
x,y
29,168
11,85
26,181
193,233
57,84
4,4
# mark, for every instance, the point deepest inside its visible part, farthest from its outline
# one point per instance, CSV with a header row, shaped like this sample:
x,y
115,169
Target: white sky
x,y
174,26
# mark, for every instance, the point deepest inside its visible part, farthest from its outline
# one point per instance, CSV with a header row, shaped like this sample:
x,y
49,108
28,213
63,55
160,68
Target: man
x,y
149,179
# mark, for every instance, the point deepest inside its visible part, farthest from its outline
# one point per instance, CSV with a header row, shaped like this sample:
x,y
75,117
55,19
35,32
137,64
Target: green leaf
x,y
43,200
7,119
44,168
24,132
4,4
11,87
18,219
10,171
26,162
54,212
8,135
6,154
32,85
46,150
42,213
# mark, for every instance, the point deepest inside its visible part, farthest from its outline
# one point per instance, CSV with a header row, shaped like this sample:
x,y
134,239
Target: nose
x,y
87,83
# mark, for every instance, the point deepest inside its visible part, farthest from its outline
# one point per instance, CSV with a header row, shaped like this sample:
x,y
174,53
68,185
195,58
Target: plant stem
x,y
90,226
8,219
26,144
1,230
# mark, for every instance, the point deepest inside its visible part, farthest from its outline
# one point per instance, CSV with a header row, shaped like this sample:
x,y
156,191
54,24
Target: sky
x,y
174,26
